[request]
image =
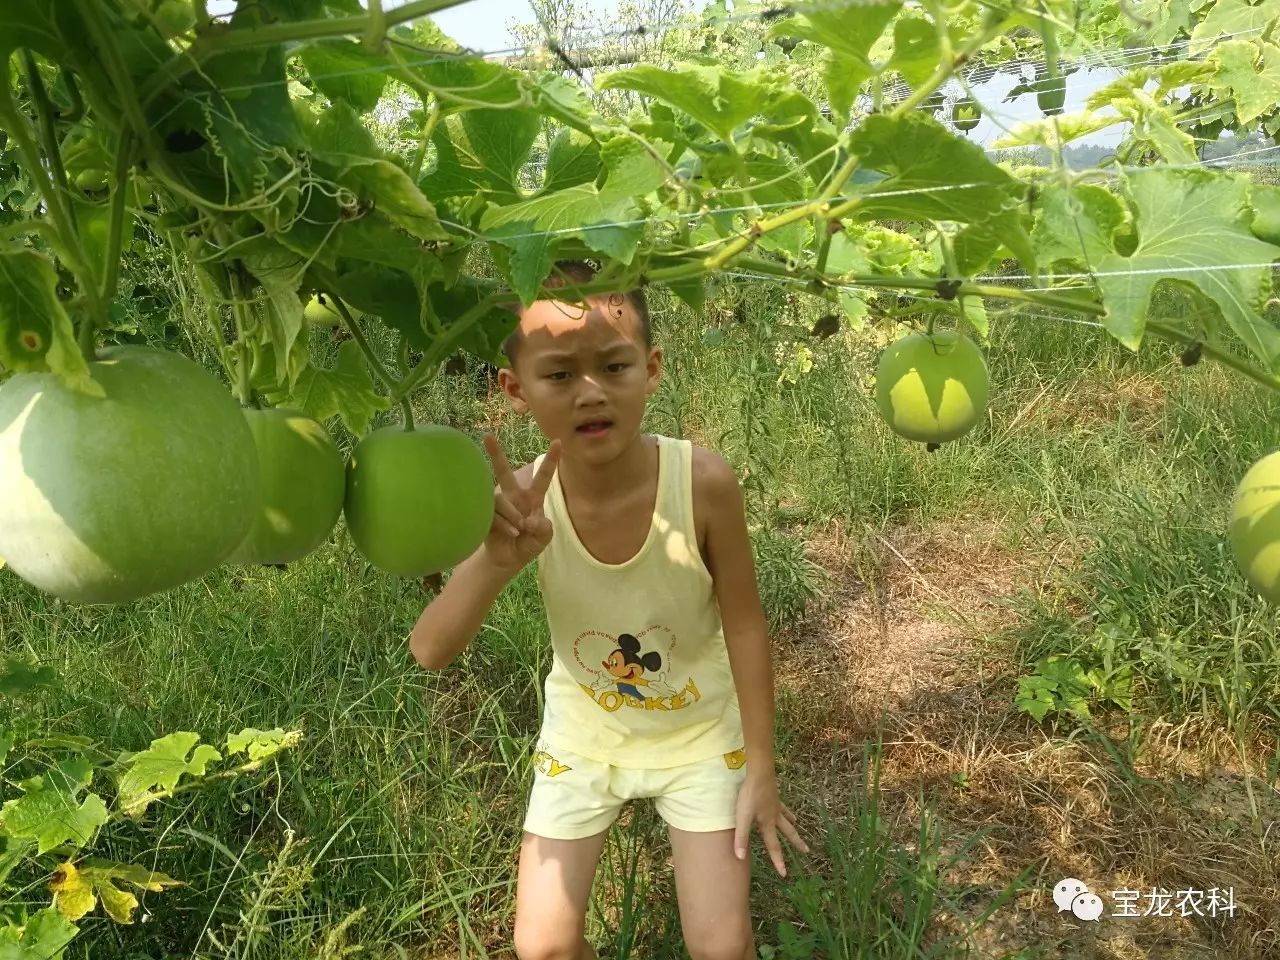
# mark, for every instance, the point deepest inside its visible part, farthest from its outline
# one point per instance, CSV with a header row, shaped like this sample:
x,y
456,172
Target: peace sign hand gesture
x,y
520,531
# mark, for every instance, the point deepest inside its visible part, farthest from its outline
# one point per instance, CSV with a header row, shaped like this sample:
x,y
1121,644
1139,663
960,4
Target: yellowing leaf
x,y
71,895
77,890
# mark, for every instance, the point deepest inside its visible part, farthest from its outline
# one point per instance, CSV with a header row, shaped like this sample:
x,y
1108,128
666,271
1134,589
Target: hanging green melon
x,y
418,501
104,500
932,388
303,479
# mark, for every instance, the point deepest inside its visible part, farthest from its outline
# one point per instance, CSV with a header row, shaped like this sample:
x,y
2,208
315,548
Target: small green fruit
x,y
303,486
1254,530
418,501
932,388
319,312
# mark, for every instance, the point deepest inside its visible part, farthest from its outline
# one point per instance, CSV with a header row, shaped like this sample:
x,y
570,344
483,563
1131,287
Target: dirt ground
x,y
905,635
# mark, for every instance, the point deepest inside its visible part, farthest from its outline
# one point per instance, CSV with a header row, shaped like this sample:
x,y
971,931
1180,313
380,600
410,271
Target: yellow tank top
x,y
640,674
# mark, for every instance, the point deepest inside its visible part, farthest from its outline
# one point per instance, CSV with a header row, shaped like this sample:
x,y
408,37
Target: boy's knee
x,y
537,942
720,945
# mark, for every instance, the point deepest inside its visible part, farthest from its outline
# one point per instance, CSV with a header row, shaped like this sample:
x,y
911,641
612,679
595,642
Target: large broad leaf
x,y
44,937
347,71
934,175
35,332
1074,223
848,32
1193,228
954,178
1232,18
388,293
605,218
1255,86
344,391
915,49
345,151
572,158
465,82
1167,19
30,24
158,769
777,184
48,811
481,150
716,98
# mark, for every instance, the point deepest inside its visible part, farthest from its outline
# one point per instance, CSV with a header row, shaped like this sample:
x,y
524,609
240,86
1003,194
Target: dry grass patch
x,y
898,649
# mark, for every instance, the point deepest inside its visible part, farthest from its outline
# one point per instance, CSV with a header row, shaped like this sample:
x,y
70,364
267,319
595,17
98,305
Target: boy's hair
x,y
572,272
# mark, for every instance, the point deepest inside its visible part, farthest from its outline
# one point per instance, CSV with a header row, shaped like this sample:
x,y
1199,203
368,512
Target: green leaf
x,y
481,150
45,937
1231,17
484,338
1075,222
915,49
347,71
35,332
93,220
49,813
1167,19
606,218
716,98
346,391
18,677
848,32
572,158
920,154
692,291
1192,228
159,768
30,24
391,295
1255,87
778,183
460,83
340,134
280,271
916,152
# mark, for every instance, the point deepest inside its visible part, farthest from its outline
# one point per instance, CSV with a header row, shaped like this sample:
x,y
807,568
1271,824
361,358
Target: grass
x,y
394,828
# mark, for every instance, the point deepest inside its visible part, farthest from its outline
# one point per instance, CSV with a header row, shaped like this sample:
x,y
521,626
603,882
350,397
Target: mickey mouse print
x,y
632,670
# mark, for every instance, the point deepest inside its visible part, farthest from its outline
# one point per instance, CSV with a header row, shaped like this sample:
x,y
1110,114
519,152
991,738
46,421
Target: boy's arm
x,y
746,631
455,616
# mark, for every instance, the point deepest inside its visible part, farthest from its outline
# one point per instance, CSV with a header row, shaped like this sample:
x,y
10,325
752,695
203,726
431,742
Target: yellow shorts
x,y
575,797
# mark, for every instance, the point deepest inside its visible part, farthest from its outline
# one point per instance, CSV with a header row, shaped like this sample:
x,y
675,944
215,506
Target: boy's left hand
x,y
759,804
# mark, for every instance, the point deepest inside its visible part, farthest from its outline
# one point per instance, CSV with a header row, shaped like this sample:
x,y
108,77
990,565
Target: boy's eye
x,y
622,366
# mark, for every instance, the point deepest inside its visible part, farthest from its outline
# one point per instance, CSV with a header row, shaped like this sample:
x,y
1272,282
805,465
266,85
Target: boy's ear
x,y
510,384
653,369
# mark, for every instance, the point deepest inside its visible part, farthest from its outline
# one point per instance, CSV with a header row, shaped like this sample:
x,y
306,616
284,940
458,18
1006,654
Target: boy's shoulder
x,y
713,475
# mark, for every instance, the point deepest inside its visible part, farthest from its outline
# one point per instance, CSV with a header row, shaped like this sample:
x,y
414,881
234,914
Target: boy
x,y
661,684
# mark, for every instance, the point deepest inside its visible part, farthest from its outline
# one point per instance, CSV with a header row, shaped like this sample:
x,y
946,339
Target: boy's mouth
x,y
594,428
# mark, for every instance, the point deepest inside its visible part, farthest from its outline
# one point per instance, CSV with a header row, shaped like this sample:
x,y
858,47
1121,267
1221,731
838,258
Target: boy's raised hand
x,y
520,530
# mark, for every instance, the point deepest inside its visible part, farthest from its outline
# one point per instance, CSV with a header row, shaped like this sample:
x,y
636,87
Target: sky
x,y
484,25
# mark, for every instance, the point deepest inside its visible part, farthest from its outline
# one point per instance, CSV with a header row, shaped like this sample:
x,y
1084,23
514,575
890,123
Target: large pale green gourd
x,y
418,501
1254,530
303,484
932,388
104,500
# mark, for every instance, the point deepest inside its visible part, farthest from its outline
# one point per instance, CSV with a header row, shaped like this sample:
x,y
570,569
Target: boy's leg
x,y
551,896
713,887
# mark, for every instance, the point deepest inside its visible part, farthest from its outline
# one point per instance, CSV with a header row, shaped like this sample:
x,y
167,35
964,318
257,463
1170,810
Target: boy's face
x,y
581,364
